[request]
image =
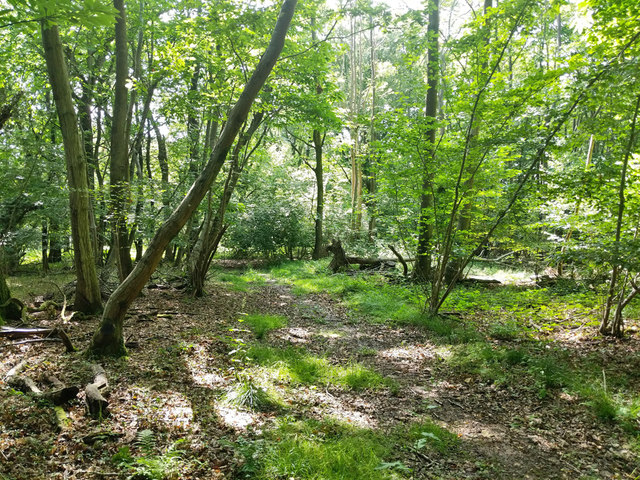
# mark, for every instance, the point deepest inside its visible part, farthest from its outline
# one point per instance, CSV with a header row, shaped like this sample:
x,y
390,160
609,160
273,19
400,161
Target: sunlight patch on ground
x,y
353,411
506,276
197,362
235,418
329,334
443,352
172,408
296,335
415,353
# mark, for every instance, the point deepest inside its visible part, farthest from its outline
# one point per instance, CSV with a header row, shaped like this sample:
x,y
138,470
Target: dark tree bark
x,y
425,226
318,143
109,339
87,299
7,110
119,173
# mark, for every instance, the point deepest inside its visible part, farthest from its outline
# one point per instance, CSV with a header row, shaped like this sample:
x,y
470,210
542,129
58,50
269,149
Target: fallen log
x,y
97,405
479,281
341,261
62,393
13,333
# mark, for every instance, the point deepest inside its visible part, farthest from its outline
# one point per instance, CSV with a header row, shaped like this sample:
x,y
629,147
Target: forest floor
x,y
291,373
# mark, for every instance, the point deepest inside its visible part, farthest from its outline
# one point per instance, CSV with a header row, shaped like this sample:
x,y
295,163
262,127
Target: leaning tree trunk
x,y
87,299
109,339
213,228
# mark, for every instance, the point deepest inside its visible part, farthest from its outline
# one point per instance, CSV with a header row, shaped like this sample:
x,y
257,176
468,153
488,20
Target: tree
x,y
87,297
119,171
425,223
109,340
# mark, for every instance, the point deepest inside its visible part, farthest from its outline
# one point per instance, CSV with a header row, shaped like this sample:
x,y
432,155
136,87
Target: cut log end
x,y
97,405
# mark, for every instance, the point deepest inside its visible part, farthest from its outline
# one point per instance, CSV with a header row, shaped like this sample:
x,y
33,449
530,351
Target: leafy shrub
x,y
271,228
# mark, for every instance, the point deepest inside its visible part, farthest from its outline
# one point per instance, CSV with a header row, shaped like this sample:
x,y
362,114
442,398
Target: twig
x,y
64,302
35,340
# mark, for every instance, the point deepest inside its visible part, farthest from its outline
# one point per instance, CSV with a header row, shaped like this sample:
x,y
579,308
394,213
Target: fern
x,y
146,441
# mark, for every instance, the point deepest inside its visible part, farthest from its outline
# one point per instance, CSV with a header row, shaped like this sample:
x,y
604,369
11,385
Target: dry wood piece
x,y
479,281
96,404
21,382
10,332
341,262
61,393
405,269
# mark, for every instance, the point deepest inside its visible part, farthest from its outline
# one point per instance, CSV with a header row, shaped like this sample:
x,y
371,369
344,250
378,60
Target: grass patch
x,y
26,286
446,330
317,450
248,394
296,366
330,450
370,296
504,331
240,281
263,324
428,435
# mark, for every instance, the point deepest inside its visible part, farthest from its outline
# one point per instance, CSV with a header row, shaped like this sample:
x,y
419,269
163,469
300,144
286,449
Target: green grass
x,y
428,435
263,324
296,366
249,394
499,338
370,296
327,449
239,281
25,287
317,450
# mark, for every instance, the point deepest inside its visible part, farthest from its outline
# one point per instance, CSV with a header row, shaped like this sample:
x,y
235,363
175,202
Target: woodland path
x,y
505,431
172,381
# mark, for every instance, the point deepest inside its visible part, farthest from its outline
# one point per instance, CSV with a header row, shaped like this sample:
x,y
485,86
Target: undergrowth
x,y
263,324
310,449
293,365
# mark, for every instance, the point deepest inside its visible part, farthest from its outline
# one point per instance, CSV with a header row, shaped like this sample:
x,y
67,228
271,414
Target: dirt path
x,y
505,431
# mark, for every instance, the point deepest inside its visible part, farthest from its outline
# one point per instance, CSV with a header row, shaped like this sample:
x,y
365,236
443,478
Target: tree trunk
x,y
87,298
109,339
119,173
45,246
318,142
213,228
422,270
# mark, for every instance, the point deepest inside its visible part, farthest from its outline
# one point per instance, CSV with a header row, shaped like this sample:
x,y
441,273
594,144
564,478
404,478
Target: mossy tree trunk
x,y
87,299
